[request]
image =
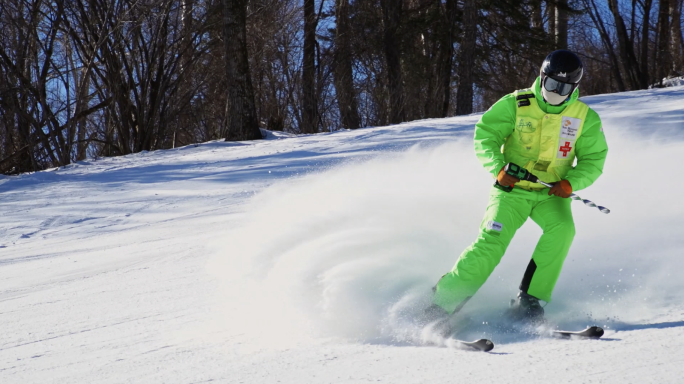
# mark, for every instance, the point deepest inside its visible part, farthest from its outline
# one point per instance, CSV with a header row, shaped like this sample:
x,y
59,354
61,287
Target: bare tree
x,y
309,100
561,36
677,47
595,14
645,29
274,44
242,123
36,66
466,59
626,49
551,15
391,12
344,75
663,53
536,10
447,56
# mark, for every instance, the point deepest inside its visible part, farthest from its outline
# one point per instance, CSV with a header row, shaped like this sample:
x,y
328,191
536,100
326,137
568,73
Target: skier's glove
x,y
561,189
505,179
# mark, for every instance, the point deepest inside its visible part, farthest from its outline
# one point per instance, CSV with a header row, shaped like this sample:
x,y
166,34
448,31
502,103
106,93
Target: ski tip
x,y
596,331
593,332
489,345
483,345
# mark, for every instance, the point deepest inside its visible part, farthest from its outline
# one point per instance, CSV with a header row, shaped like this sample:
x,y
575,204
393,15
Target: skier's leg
x,y
504,215
554,216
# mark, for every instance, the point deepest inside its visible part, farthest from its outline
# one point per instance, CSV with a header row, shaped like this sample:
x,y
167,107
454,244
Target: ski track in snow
x,y
304,259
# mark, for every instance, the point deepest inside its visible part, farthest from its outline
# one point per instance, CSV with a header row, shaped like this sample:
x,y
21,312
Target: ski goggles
x,y
553,85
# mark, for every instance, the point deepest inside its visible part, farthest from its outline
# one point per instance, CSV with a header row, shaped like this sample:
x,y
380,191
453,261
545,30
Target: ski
x,y
483,345
592,332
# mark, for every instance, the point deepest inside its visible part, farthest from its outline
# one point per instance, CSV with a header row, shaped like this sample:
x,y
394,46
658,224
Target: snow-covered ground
x,y
303,260
672,82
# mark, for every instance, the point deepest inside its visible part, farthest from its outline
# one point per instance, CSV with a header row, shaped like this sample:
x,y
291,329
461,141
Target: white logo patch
x,y
569,128
494,226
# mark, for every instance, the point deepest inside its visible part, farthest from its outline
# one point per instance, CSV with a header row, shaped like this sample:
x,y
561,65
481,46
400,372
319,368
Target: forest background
x,y
90,78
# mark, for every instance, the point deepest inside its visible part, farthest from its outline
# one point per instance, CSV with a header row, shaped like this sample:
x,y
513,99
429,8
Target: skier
x,y
543,129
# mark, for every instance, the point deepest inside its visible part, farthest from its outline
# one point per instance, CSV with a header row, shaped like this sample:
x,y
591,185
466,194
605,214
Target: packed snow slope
x,y
305,259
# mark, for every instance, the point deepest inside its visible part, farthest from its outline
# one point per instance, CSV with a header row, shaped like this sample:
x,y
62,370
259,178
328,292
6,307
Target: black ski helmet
x,y
562,65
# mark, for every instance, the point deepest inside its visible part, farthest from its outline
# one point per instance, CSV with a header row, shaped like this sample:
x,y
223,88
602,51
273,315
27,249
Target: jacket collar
x,y
548,108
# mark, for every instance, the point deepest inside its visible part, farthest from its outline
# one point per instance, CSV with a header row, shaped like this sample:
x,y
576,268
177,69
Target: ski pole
x,y
586,202
524,175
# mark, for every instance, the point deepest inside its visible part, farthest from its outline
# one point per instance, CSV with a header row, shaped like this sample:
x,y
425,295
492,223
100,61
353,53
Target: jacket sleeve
x,y
591,150
491,132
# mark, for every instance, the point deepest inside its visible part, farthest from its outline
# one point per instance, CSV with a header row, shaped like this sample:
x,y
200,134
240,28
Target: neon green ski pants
x,y
506,213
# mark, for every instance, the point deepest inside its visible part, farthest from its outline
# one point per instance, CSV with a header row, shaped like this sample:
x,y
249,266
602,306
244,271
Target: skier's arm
x,y
591,150
491,132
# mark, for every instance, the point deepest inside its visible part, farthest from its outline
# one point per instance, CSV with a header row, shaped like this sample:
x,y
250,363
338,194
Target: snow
x,y
670,82
303,260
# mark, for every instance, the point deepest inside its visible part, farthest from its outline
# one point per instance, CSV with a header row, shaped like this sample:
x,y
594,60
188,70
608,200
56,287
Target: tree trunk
x,y
645,29
466,59
562,25
391,11
448,54
81,104
663,54
537,19
632,25
627,56
187,27
309,104
242,119
607,43
551,13
187,34
344,76
677,40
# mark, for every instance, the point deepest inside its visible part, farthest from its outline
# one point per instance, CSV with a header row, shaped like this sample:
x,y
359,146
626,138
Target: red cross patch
x,y
565,149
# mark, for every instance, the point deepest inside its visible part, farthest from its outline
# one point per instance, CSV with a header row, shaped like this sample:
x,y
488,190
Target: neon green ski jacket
x,y
498,123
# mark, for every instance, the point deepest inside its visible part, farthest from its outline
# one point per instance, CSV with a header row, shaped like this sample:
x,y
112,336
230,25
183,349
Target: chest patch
x,y
525,126
569,128
568,134
564,148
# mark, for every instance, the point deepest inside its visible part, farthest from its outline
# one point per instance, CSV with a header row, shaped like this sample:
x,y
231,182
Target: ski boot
x,y
436,318
526,308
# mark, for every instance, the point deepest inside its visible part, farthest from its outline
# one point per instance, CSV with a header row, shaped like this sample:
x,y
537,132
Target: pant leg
x,y
504,215
554,216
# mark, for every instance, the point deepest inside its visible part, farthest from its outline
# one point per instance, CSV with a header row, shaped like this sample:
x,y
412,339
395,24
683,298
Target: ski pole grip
x,y
510,169
505,188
